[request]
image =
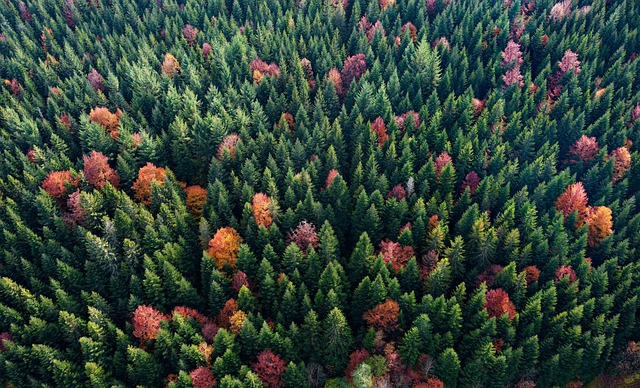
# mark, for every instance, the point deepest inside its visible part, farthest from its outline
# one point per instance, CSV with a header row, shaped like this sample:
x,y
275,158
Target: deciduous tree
x,y
224,246
97,170
148,175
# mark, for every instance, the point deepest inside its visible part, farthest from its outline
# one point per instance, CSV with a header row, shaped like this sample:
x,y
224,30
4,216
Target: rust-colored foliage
x,y
14,86
261,206
565,271
240,279
189,32
269,367
202,377
225,314
188,312
206,50
304,236
380,129
67,13
136,140
206,350
622,162
356,358
498,345
434,221
395,254
573,199
95,80
336,79
59,183
489,275
64,119
586,148
413,31
5,337
147,176
354,67
33,156
331,176
236,321
398,192
384,316
386,3
532,274
97,170
196,198
600,223
146,322
472,181
402,120
170,65
107,120
441,161
224,246
497,303
287,118
209,331
432,382
229,143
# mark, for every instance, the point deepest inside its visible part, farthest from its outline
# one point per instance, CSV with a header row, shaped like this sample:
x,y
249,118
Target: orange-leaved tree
x,y
170,65
60,183
573,199
196,197
380,129
97,170
107,120
148,175
622,162
224,246
261,206
384,316
600,224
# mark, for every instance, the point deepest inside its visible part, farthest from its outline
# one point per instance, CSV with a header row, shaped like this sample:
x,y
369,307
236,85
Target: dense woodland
x,y
314,193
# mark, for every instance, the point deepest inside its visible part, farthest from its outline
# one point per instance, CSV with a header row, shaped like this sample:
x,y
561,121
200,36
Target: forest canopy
x,y
311,193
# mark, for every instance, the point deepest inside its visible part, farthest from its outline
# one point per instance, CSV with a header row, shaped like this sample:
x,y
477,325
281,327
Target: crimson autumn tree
x,y
97,170
202,377
441,161
146,322
148,175
224,246
60,183
304,236
269,367
565,271
261,206
585,148
497,303
380,129
353,68
395,254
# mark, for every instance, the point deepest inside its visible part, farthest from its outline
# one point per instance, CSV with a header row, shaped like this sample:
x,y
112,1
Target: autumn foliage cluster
x,y
223,247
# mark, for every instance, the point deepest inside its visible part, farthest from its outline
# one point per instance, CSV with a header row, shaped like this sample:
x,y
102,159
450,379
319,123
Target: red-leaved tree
x,y
409,115
336,79
5,337
147,175
380,129
239,279
97,170
229,143
398,192
146,322
384,316
355,359
304,236
206,50
270,367
532,274
95,80
489,275
202,377
189,32
60,183
497,303
224,246
261,206
75,211
331,176
586,148
573,199
354,67
565,271
395,254
472,181
441,161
